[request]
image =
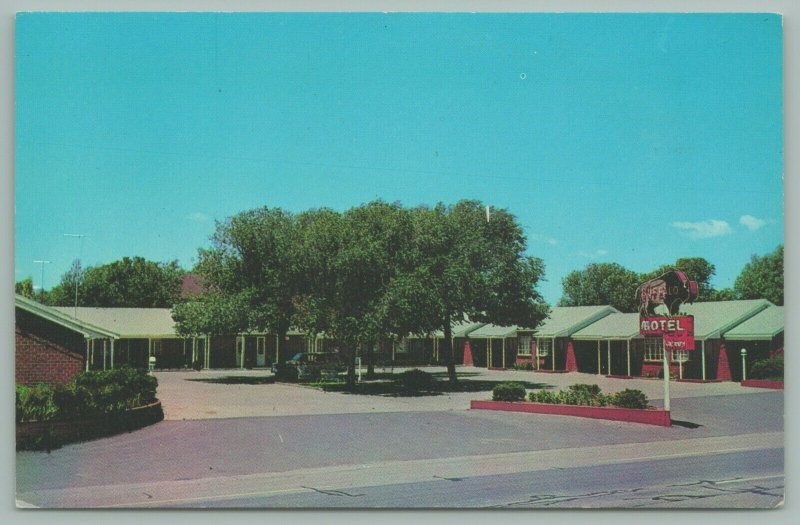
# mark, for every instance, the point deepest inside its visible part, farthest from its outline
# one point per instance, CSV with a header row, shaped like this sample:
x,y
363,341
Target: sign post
x,y
677,332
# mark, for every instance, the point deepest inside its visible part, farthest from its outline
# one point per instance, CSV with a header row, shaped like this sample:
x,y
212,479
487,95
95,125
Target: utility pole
x,y
41,282
77,275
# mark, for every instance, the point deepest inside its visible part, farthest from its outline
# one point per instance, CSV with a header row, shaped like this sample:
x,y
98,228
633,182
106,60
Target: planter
x,y
763,383
46,435
648,416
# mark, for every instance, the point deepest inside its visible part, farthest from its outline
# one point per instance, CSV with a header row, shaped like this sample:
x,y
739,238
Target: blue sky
x,y
634,139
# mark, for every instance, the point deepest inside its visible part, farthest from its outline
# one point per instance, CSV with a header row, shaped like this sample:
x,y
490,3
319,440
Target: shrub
x,y
591,390
630,398
508,391
415,380
524,366
771,368
89,393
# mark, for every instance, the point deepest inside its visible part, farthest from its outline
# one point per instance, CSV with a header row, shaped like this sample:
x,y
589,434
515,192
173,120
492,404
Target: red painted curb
x,y
763,383
630,415
698,380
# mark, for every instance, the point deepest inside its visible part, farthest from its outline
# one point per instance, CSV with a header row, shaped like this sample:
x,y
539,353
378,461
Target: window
x,y
524,345
680,355
653,349
544,347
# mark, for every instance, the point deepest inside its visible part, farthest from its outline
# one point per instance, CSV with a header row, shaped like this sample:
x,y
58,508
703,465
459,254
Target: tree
x,y
601,284
725,294
250,275
130,282
25,288
467,267
762,278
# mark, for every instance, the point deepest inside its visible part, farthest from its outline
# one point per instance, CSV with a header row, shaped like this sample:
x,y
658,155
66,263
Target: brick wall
x,y
45,351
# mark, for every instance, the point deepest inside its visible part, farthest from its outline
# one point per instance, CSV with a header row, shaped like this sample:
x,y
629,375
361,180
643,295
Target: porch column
x,y
393,345
629,357
112,354
598,357
277,349
194,350
504,353
244,349
609,358
537,354
489,354
105,348
553,353
87,355
703,358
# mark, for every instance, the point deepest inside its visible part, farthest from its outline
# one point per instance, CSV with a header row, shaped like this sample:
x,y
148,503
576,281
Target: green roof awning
x,y
614,326
490,331
563,321
712,319
461,329
763,326
55,315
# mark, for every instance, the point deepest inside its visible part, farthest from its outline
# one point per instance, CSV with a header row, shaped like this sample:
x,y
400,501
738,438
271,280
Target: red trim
x,y
646,416
763,383
698,380
619,377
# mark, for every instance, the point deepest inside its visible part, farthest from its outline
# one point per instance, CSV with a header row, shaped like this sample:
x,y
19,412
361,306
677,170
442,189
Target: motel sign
x,y
678,332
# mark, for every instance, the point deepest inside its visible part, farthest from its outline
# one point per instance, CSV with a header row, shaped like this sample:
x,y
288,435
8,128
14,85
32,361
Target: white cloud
x,y
751,223
542,238
593,255
704,229
199,217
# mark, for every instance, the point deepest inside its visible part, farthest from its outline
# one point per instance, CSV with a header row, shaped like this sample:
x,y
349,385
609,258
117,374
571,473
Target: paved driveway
x,y
195,395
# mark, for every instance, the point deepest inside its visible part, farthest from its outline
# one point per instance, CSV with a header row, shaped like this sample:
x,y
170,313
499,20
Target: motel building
x,y
55,343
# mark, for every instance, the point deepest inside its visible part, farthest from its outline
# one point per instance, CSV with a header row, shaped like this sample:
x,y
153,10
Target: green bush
x,y
590,395
771,368
508,391
524,366
415,380
89,393
630,398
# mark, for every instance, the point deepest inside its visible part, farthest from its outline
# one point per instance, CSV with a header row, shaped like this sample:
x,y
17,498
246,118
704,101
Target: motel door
x,y
261,352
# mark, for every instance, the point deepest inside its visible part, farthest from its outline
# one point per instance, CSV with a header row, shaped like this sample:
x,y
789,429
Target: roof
x,y
765,325
460,329
563,321
491,330
712,319
614,326
127,322
88,330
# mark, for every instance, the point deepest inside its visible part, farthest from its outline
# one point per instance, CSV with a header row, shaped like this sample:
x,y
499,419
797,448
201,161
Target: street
x,y
724,450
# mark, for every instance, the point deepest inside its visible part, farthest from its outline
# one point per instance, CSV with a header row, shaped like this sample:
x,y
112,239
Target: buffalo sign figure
x,y
671,289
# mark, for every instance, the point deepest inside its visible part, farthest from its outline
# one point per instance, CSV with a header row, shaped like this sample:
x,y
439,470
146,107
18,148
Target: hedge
x,y
508,391
416,380
590,395
771,368
88,394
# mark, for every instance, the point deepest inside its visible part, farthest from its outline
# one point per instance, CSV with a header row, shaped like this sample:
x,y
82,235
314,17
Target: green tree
x,y
130,282
250,276
762,278
600,284
25,288
725,294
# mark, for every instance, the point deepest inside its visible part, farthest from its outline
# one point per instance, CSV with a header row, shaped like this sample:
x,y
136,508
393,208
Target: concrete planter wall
x,y
763,383
647,416
45,435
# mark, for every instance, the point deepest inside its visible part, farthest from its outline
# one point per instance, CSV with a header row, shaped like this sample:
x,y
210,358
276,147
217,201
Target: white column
x,y
489,353
105,347
629,357
666,378
87,355
553,353
703,358
609,357
112,353
537,354
504,353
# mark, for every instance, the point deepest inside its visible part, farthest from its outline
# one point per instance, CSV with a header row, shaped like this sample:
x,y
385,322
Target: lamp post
x,y
41,282
80,253
744,364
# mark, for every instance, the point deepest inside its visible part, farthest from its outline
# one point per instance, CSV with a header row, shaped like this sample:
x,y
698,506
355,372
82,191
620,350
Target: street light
x,y
80,253
41,282
744,364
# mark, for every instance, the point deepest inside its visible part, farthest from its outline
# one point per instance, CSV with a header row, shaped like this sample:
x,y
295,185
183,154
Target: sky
x,y
627,138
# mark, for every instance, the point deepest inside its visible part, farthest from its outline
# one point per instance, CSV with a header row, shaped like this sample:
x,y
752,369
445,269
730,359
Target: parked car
x,y
305,366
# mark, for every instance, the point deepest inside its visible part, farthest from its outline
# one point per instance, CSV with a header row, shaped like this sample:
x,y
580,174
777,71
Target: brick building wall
x,y
45,351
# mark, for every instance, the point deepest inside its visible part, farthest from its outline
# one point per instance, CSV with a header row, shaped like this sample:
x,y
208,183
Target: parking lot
x,y
252,393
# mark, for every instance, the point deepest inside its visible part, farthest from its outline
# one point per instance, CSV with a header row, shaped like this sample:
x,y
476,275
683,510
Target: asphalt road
x,y
284,461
